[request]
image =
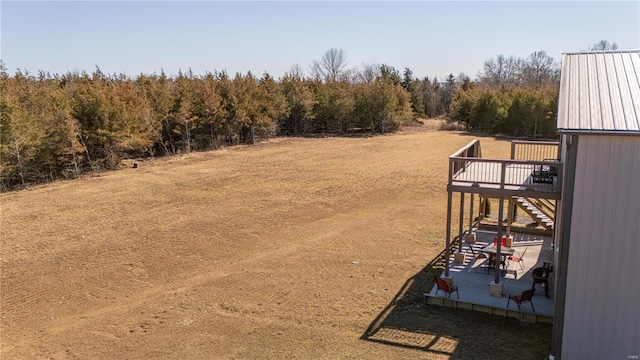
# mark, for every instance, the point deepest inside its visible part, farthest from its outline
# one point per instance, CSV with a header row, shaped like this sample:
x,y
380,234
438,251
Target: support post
x,y
510,218
500,215
471,213
461,222
448,239
498,245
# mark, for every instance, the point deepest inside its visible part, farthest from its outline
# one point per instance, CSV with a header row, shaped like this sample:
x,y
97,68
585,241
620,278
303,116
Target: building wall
x,y
602,304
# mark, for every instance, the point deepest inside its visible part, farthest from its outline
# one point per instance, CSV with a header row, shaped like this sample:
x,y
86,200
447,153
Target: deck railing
x,y
535,150
542,175
471,150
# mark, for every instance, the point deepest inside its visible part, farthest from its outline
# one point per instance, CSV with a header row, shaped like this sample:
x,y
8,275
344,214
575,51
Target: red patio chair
x,y
519,259
526,295
442,285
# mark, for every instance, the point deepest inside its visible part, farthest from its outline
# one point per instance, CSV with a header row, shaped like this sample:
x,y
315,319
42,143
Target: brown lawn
x,y
296,248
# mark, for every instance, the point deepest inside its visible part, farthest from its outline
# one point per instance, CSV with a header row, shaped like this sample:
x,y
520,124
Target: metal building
x,y
591,178
597,306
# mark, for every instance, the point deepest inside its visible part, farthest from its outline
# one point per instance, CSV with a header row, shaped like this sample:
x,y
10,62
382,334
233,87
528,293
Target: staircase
x,y
542,217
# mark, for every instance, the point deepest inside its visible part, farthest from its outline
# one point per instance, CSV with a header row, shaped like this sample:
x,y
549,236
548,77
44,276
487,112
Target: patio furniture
x,y
519,259
526,295
504,250
541,276
492,250
448,290
544,174
484,264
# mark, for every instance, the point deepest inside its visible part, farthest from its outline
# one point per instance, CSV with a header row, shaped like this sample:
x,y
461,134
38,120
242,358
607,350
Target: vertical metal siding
x,y
562,244
602,309
629,258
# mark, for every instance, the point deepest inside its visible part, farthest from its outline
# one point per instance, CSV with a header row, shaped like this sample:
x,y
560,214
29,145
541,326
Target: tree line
x,y
514,96
60,126
56,126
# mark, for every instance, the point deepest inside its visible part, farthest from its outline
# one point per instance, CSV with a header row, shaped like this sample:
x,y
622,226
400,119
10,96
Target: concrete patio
x,y
472,279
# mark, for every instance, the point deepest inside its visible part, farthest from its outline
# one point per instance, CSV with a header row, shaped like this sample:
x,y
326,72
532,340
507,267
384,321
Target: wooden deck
x,y
536,178
485,176
473,281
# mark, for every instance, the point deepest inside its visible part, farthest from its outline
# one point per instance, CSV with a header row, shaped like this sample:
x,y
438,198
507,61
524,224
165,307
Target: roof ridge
x,y
601,52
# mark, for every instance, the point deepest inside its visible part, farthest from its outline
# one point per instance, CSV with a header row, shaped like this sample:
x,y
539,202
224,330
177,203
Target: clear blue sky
x,y
431,38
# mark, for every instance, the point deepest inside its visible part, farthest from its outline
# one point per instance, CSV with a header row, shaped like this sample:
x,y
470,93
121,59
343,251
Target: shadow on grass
x,y
407,322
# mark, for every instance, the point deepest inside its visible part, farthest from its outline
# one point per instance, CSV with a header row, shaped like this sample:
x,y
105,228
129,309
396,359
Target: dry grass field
x,y
295,248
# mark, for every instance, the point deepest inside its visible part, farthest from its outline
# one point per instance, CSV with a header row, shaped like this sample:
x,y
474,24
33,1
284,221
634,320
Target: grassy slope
x,y
246,252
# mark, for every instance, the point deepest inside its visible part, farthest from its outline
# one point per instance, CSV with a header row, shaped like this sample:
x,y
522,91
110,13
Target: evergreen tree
x,y
413,87
300,102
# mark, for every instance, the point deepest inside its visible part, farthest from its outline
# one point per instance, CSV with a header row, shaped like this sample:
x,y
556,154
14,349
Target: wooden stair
x,y
537,212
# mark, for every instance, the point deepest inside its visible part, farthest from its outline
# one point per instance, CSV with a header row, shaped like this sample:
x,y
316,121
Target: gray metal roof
x,y
600,92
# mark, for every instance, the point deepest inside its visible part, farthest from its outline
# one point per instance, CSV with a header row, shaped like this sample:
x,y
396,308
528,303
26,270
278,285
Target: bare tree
x,y
331,67
367,73
539,70
604,45
501,71
295,72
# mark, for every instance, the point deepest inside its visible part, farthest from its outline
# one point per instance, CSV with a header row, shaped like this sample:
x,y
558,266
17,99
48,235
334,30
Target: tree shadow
x,y
407,322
